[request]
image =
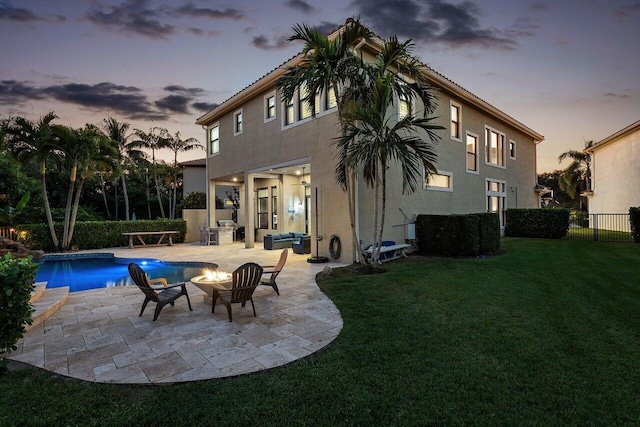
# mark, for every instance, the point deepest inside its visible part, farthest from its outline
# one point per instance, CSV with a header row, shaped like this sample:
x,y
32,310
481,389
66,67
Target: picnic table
x,y
140,234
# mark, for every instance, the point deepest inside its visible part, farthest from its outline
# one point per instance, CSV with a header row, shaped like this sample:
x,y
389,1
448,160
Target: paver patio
x,y
97,335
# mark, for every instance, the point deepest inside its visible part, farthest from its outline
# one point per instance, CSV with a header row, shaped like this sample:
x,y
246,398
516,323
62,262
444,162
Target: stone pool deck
x,y
98,336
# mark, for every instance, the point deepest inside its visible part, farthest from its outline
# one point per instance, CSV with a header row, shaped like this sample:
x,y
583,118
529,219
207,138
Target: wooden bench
x,y
139,235
396,251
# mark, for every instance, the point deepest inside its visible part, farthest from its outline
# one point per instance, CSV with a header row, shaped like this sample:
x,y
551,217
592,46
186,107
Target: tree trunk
x,y
147,191
126,197
115,193
76,204
104,197
375,248
66,242
383,208
155,173
47,208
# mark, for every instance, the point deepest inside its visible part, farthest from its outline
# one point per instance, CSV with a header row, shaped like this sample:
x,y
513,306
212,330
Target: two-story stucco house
x,y
615,172
282,158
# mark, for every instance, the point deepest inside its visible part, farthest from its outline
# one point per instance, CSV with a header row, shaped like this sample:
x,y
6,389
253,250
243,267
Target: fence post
x,y
595,227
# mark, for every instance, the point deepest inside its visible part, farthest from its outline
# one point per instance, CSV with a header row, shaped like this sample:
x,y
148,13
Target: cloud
x,y
539,6
627,9
300,5
204,106
191,91
613,95
174,103
131,17
327,28
191,10
129,101
262,42
434,21
17,14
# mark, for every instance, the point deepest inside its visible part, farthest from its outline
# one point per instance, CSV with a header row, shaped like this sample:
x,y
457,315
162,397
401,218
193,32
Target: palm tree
x,y
28,141
329,64
577,176
178,145
375,139
155,139
127,151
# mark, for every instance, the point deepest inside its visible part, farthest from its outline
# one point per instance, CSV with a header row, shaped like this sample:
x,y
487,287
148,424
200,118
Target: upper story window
x,y
494,147
456,119
237,123
512,149
289,113
330,99
214,139
441,181
304,108
270,107
404,107
472,152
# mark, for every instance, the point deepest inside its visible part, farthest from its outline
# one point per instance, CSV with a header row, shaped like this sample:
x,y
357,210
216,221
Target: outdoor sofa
x,y
284,240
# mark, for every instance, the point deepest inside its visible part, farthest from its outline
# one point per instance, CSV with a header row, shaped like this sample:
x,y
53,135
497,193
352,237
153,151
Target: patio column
x,y
249,203
211,204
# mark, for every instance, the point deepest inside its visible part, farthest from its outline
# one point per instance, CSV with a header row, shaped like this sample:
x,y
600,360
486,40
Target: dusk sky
x,y
569,70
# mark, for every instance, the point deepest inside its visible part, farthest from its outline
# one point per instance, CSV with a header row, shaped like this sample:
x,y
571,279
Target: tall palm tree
x,y
375,139
178,145
329,64
127,152
35,142
577,176
153,140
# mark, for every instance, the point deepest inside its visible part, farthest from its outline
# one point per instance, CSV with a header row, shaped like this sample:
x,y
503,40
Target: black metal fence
x,y
601,227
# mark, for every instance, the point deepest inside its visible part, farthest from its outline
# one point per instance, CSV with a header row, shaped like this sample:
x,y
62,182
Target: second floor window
x,y
214,140
404,107
494,147
237,122
455,121
270,107
472,153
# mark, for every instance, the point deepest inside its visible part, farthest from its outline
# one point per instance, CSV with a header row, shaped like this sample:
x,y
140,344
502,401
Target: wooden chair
x,y
245,280
274,271
167,295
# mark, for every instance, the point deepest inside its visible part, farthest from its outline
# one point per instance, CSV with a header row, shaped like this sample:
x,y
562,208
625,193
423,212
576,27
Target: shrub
x,y
541,223
99,234
195,200
16,283
458,235
634,218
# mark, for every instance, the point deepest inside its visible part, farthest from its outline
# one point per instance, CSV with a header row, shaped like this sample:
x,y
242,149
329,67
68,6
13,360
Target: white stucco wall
x,y
616,175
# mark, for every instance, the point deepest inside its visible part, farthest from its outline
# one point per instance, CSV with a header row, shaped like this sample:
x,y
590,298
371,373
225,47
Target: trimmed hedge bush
x,y
540,223
458,235
99,234
634,218
16,283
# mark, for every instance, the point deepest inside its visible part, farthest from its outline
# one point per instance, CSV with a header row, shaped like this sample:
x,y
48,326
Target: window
x,y
270,107
274,208
214,140
237,123
304,109
496,198
442,181
404,107
289,113
472,152
330,99
455,121
494,147
263,208
512,149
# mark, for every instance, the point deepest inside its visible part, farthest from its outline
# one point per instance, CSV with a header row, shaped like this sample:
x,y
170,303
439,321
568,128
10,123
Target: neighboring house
x,y
615,172
194,176
283,159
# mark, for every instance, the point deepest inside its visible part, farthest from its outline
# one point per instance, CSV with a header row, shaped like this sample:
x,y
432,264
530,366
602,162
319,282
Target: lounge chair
x,y
274,271
245,280
167,295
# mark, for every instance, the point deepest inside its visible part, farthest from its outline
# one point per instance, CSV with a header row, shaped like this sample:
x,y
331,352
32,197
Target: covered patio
x,y
98,336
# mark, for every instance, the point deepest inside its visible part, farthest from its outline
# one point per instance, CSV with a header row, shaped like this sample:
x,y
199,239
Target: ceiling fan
x,y
304,182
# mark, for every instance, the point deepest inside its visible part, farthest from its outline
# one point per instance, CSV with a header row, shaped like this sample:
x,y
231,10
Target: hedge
x,y
99,234
16,282
540,223
458,235
634,218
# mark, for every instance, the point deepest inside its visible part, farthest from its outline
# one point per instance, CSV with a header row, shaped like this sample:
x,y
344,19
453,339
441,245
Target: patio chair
x,y
167,295
274,271
245,281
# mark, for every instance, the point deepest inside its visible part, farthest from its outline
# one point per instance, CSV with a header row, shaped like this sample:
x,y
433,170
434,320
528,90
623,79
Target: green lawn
x,y
586,233
546,334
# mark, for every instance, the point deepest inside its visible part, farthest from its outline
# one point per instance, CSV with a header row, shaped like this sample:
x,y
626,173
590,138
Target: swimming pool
x,y
82,272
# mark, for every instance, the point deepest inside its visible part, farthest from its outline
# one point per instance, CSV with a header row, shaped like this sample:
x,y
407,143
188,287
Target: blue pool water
x,y
83,272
